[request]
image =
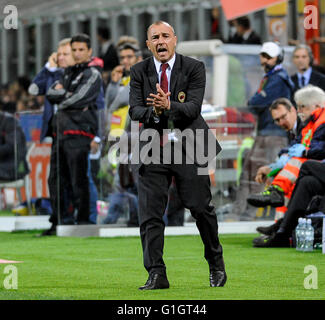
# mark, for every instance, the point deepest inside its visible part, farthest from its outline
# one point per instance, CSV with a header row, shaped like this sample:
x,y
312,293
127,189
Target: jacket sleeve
x,y
40,82
138,110
55,96
85,93
317,145
274,88
190,109
7,149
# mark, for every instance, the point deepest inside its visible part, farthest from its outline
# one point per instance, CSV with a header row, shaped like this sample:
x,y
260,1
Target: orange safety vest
x,y
318,118
287,177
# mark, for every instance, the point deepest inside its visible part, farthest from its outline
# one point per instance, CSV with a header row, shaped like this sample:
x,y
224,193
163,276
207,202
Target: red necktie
x,y
163,78
164,87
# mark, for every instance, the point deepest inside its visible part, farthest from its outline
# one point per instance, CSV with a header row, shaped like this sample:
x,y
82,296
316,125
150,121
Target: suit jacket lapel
x,y
152,75
176,74
313,80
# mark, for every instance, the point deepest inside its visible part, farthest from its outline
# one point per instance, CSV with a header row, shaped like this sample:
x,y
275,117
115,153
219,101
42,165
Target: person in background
x,y
310,144
246,35
77,122
107,52
302,58
275,84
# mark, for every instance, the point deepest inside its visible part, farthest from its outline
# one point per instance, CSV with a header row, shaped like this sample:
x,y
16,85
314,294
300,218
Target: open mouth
x,y
159,50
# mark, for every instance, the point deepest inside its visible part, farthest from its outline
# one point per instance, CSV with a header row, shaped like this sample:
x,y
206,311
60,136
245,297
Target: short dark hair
x,y
244,22
105,33
283,101
81,37
131,46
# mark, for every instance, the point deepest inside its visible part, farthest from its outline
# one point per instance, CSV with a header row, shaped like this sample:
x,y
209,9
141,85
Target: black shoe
x,y
217,278
270,229
259,241
271,197
155,281
49,232
83,222
276,240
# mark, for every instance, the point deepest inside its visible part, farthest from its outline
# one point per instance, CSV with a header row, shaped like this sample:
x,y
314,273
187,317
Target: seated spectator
x,y
310,144
310,182
13,164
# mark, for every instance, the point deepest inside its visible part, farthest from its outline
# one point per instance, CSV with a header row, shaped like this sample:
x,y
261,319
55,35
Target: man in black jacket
x,y
166,92
13,164
76,123
303,59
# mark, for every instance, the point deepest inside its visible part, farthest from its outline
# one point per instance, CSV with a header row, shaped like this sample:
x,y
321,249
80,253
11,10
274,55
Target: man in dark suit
x,y
166,92
303,60
244,34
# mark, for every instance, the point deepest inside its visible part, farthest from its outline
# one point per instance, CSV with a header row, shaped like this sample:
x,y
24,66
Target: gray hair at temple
x,y
310,96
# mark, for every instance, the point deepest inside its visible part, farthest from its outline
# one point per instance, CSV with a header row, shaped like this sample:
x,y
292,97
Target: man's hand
x,y
94,146
53,60
58,86
159,101
261,176
117,73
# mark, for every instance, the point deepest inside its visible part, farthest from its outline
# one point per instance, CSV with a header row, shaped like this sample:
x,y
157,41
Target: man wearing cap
x,y
270,138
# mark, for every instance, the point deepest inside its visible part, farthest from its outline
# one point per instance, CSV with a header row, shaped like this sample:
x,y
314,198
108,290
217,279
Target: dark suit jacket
x,y
316,79
253,38
187,90
13,164
110,58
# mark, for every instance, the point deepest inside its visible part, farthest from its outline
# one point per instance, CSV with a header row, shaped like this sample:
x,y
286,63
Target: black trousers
x,y
310,182
194,191
68,169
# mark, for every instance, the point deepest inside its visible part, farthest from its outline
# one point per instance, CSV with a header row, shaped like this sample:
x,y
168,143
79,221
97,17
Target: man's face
x,y
267,62
64,56
80,52
161,42
284,118
301,59
306,111
128,58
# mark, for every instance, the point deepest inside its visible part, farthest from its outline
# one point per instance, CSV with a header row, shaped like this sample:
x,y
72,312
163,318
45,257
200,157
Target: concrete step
x,y
15,223
120,230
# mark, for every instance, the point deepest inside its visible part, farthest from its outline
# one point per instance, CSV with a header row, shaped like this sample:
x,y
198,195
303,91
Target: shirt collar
x,y
306,74
170,63
247,34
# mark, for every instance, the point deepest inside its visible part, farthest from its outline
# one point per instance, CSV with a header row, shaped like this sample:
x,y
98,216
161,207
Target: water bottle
x,y
299,235
309,237
303,234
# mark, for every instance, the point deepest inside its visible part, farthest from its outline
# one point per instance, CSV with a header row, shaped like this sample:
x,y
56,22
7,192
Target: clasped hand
x,y
159,101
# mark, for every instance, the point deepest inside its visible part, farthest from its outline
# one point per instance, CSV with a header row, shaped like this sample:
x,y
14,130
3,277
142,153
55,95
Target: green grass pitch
x,y
111,268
